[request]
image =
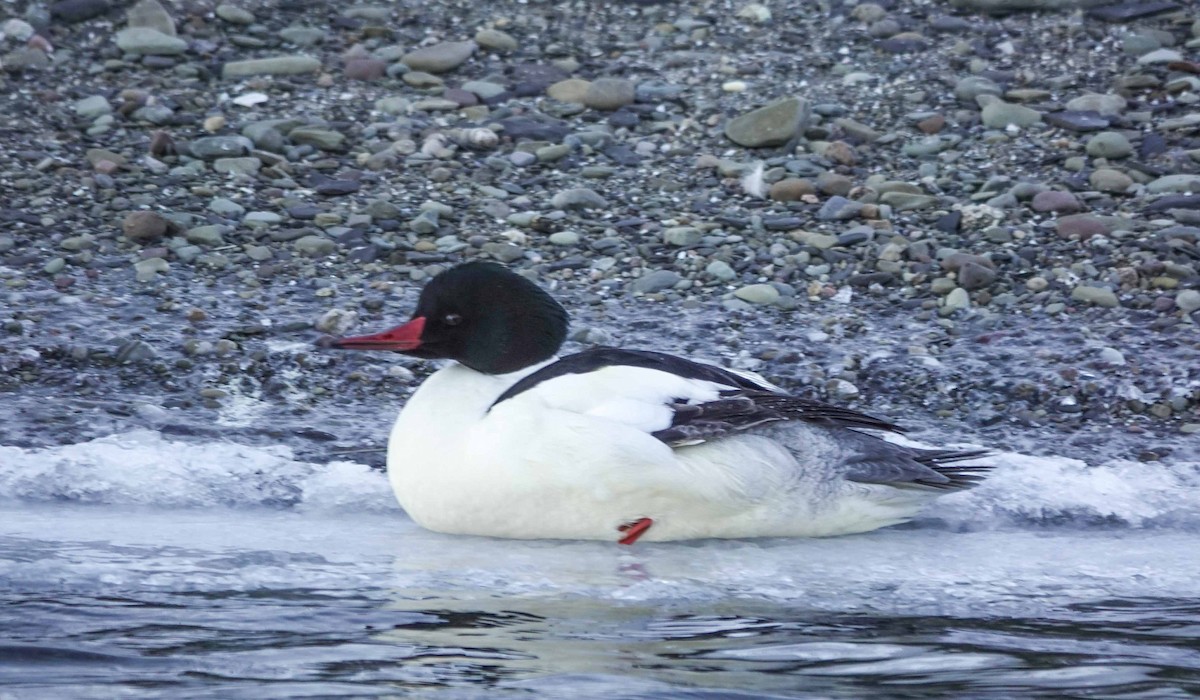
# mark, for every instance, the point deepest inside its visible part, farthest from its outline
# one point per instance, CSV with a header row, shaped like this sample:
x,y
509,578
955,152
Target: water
x,y
144,566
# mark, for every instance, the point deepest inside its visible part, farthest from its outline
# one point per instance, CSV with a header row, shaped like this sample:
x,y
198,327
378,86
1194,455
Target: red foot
x,y
634,530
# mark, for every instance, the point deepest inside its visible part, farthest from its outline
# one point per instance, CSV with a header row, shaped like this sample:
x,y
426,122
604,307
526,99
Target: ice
x,y
144,468
144,510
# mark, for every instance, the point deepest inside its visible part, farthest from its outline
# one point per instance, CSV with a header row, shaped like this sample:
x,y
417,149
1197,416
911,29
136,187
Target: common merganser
x,y
510,440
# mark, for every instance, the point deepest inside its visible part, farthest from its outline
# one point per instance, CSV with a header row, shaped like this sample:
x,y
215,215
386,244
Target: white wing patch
x,y
635,396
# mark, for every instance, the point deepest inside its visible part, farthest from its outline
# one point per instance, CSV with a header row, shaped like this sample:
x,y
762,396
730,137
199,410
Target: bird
x,y
509,439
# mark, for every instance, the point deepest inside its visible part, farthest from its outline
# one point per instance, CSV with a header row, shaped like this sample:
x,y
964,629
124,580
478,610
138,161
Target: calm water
x,y
135,566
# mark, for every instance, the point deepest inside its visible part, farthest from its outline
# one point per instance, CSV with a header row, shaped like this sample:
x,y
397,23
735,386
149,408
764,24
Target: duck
x,y
511,440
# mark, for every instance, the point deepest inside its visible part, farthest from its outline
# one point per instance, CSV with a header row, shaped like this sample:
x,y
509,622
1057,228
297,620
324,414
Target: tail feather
x,y
959,476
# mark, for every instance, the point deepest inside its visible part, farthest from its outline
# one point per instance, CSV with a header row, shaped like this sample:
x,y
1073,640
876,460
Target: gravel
x,y
978,217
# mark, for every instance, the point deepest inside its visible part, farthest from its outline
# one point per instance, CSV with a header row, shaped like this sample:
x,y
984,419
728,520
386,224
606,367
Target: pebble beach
x,y
980,218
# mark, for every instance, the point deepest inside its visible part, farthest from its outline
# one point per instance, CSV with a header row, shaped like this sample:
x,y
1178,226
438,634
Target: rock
x,y
1160,56
336,321
972,86
839,209
496,40
1178,183
1001,7
484,89
440,58
906,201
656,281
829,182
564,238
957,299
1111,356
972,276
324,139
237,166
721,270
73,11
791,189
1077,121
1098,296
234,14
277,65
213,147
682,235
152,15
144,226
1109,144
504,252
1082,226
92,107
146,270
772,125
1110,105
578,198
209,235
314,246
570,90
999,115
758,294
365,69
302,36
1056,201
337,188
1109,180
1188,300
609,94
146,41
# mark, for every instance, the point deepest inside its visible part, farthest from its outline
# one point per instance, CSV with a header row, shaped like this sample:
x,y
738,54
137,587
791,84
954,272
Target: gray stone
x,y
496,40
1109,144
656,281
302,36
1109,180
1098,296
682,235
484,89
721,270
758,294
277,65
146,270
209,235
564,238
504,252
1007,6
1181,182
146,41
1111,356
609,94
226,207
905,201
972,86
957,299
578,198
1160,56
839,209
973,276
92,107
213,147
237,166
314,246
152,15
324,139
1110,105
1188,300
999,114
234,14
1056,201
772,125
440,58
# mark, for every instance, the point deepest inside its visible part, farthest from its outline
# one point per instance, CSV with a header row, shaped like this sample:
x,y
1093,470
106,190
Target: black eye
x,y
452,319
